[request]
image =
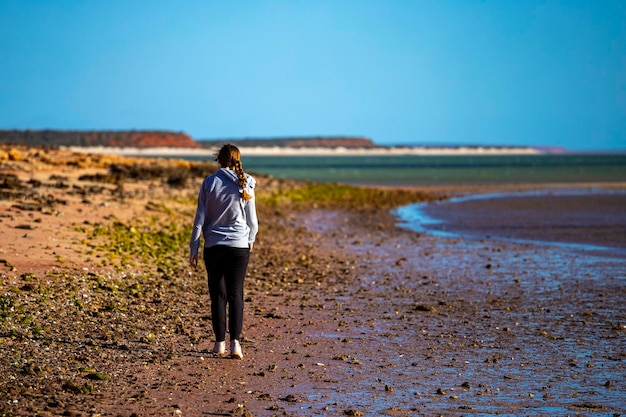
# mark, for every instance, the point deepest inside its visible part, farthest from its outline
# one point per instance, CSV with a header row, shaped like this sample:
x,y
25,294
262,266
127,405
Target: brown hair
x,y
230,157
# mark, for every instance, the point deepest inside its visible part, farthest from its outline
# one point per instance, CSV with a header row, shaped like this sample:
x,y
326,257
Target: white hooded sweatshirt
x,y
223,217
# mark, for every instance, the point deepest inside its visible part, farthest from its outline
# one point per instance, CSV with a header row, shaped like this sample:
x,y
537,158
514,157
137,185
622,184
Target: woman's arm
x,y
198,222
252,221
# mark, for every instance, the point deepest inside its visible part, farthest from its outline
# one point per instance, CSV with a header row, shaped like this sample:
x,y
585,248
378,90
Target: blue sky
x,y
539,73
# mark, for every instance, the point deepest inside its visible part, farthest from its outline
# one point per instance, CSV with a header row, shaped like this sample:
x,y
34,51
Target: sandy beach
x,y
346,313
312,151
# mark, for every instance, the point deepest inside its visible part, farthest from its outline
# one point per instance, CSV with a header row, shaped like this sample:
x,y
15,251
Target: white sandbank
x,y
286,151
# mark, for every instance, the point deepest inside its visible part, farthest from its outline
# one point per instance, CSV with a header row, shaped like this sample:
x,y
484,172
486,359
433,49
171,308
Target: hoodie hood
x,y
230,174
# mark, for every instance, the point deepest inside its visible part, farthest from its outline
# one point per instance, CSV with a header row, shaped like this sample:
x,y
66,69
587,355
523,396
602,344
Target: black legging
x,y
226,269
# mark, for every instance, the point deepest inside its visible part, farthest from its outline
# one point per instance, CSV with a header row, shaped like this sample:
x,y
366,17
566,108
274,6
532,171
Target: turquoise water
x,y
410,170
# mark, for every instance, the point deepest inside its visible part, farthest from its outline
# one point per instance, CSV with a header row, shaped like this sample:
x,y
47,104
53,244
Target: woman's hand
x,y
193,261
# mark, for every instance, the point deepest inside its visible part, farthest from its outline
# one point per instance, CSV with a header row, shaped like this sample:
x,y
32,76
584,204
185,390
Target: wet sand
x,y
346,314
486,327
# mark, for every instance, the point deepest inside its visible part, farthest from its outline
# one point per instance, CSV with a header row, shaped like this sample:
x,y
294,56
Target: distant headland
x,y
165,139
167,143
108,138
295,142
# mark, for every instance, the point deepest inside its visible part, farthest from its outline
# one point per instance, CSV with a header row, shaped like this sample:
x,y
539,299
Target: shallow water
x,y
585,219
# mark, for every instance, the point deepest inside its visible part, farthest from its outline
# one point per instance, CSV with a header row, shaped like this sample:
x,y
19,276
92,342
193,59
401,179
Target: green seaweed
x,y
150,240
7,305
340,196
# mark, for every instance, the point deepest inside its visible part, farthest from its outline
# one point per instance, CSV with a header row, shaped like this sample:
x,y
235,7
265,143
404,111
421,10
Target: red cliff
x,y
131,138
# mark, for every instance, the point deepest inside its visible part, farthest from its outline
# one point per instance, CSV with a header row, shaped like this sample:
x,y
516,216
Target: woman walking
x,y
226,218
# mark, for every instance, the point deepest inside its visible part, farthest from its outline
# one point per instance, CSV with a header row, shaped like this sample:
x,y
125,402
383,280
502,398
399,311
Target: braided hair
x,y
230,157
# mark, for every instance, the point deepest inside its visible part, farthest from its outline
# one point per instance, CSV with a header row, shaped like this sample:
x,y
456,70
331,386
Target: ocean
x,y
414,170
